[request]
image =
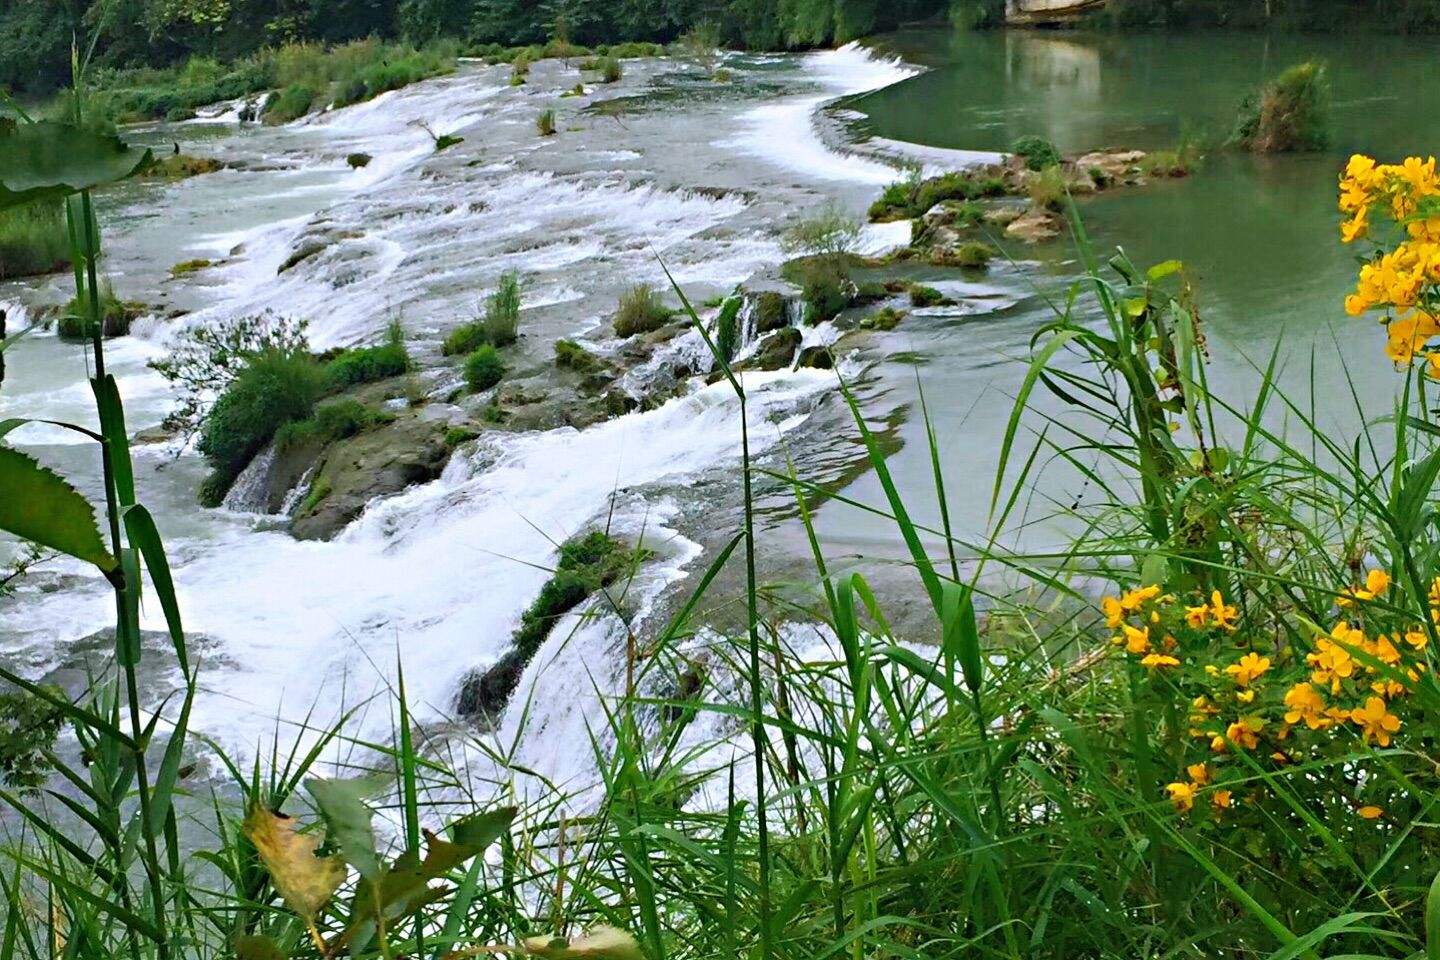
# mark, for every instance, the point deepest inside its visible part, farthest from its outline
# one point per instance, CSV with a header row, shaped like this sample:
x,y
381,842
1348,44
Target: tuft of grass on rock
x,y
640,311
483,369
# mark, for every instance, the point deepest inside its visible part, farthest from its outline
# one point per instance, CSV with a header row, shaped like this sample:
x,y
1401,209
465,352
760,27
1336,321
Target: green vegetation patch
x,y
370,364
483,369
641,311
116,315
498,324
33,239
1291,114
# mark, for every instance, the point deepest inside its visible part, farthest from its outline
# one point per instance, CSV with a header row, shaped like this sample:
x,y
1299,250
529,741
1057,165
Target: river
x,y
706,177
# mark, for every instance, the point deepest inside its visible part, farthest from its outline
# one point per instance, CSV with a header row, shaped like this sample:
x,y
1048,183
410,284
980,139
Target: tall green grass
x,y
33,240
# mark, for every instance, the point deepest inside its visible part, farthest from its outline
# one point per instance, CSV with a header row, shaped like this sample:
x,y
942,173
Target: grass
x,y
545,123
641,311
569,355
332,420
33,239
825,285
914,197
972,253
1047,189
498,324
1037,152
610,69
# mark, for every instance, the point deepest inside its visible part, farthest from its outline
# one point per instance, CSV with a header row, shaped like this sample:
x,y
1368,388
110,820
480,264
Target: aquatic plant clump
x,y
369,364
116,315
641,311
1291,114
1037,152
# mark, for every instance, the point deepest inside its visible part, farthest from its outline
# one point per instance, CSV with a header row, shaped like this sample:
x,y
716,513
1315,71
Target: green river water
x,y
1257,234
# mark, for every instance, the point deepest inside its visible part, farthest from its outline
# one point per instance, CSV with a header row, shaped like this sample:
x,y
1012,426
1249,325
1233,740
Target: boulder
x,y
776,352
818,356
1036,226
1112,166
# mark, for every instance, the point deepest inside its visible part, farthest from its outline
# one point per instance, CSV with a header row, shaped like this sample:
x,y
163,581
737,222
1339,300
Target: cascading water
x,y
438,576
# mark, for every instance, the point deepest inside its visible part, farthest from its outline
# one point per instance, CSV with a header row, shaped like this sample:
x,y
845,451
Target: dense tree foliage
x,y
35,35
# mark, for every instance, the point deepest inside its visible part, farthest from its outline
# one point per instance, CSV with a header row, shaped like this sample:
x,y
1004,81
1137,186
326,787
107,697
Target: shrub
x,y
824,283
358,160
971,253
186,267
369,364
831,232
609,69
1037,152
1291,114
923,296
886,319
333,420
519,70
640,311
273,389
545,123
498,326
484,369
33,239
115,316
1047,189
290,104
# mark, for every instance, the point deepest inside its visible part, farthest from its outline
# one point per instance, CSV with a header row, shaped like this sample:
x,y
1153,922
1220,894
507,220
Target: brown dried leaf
x,y
599,943
305,881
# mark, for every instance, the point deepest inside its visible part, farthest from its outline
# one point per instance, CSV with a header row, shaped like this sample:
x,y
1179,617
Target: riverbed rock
x,y
776,352
1036,225
377,463
1112,166
817,356
771,311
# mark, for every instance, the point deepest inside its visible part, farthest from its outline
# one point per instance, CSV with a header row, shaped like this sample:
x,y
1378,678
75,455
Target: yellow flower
x,y
1182,795
1197,617
1383,649
1132,600
1375,721
1223,615
1370,812
1155,661
1221,799
1377,582
1245,696
1242,733
1331,662
1199,774
1357,227
1389,689
1114,612
1250,667
1137,639
1306,705
1417,638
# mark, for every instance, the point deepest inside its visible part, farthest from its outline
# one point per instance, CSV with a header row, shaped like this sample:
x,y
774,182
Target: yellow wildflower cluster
x,y
1250,690
1403,278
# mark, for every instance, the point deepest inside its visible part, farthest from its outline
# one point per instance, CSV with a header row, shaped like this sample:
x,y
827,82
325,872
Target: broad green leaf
x,y
599,943
36,504
1162,270
348,818
304,880
50,158
1432,921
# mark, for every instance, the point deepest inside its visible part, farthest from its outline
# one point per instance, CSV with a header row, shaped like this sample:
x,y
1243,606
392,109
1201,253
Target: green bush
x,y
923,296
333,420
824,283
641,311
1291,114
1037,152
971,254
484,369
291,103
545,123
1047,189
274,389
33,239
369,364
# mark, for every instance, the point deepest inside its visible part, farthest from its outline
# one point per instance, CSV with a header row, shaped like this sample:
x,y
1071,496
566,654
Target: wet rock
x,y
1035,226
358,161
313,244
818,356
777,351
156,434
377,463
771,311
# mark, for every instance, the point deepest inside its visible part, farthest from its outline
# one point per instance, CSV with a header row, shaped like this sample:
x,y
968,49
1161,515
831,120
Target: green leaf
x,y
348,818
50,158
1432,921
1162,270
37,504
961,636
256,946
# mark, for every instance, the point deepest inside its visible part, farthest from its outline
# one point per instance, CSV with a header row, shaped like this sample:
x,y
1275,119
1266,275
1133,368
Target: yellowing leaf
x,y
305,881
600,943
